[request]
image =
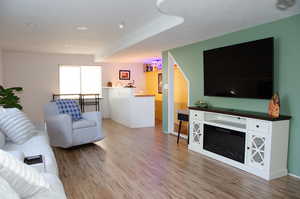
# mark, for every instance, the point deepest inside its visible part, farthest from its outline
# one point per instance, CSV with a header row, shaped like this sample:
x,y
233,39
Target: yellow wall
x,y
180,89
152,88
180,96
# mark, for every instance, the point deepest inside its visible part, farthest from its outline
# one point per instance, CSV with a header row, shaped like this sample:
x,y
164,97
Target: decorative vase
x,y
201,104
109,84
274,106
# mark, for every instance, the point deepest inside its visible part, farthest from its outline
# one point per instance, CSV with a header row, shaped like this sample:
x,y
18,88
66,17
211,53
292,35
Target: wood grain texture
x,y
147,164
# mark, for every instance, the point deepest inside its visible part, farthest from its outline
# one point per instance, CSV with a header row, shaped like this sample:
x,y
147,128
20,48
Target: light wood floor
x,y
146,164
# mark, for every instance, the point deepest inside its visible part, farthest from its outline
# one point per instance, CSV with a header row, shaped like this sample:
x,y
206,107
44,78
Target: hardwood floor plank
x,y
145,163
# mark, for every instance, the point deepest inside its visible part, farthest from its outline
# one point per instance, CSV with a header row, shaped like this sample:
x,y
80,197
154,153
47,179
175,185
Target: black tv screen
x,y
243,70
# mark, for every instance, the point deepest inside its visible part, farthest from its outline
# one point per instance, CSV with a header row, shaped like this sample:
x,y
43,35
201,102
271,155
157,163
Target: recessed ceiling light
x,y
81,28
122,25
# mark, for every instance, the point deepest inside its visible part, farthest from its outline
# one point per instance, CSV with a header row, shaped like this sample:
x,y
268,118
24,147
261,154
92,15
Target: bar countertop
x,y
143,95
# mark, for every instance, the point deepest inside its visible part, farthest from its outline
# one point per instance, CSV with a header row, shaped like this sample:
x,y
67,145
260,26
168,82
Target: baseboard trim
x,y
293,175
182,136
279,174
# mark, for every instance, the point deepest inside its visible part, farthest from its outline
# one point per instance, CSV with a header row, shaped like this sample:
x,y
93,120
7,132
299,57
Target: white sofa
x,y
39,144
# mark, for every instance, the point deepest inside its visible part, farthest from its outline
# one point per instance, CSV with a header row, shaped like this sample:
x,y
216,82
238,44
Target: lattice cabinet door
x,y
196,134
257,150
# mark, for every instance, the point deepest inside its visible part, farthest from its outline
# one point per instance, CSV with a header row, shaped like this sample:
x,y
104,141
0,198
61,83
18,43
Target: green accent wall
x,y
287,74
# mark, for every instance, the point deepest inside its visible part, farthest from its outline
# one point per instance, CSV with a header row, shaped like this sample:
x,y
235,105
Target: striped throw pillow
x,y
25,180
16,126
2,140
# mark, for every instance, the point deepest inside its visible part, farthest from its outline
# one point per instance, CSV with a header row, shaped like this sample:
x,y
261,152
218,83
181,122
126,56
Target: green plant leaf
x,y
8,97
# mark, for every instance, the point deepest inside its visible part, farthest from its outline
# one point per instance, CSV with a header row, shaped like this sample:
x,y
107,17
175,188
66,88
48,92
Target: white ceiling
x,y
50,26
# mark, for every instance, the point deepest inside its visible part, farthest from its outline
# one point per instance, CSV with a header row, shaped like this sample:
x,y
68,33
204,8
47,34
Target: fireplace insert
x,y
225,142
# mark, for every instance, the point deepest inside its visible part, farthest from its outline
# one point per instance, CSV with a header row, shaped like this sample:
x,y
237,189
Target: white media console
x,y
253,142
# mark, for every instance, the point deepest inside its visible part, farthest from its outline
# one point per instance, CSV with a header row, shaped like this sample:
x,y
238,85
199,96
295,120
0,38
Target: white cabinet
x,y
258,125
257,150
196,135
266,140
196,130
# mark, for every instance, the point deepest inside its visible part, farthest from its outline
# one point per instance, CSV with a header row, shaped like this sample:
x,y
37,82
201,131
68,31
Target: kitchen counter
x,y
134,110
144,95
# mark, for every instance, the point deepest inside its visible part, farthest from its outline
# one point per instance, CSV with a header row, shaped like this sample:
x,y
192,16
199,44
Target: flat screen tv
x,y
244,70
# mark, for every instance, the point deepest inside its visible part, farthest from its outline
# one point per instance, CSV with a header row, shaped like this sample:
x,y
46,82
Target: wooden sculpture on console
x,y
274,106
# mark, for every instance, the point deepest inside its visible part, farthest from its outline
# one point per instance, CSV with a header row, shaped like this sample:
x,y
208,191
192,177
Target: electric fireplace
x,y
225,142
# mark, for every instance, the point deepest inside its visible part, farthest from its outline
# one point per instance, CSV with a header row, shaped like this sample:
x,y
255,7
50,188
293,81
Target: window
x,y
80,79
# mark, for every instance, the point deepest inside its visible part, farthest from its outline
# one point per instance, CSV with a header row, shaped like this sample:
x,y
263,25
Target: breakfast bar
x,y
134,110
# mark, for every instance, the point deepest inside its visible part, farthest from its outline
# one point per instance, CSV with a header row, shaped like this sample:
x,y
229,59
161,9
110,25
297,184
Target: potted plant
x,y
8,97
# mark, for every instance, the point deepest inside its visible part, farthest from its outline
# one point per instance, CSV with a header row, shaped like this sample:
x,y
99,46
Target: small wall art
x,y
124,74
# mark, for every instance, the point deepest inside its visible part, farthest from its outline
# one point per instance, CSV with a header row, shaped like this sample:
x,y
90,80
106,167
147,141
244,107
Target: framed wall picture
x,y
124,74
160,83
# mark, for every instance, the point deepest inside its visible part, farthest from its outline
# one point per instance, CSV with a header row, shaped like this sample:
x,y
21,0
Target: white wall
x,y
1,68
38,74
111,73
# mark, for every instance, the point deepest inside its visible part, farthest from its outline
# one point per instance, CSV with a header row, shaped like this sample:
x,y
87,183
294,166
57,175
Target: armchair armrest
x,y
59,128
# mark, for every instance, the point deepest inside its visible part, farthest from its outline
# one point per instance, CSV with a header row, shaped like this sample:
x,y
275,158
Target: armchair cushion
x,y
70,107
83,124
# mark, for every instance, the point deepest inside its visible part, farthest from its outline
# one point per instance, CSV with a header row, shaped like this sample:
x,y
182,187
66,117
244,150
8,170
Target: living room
x,y
223,74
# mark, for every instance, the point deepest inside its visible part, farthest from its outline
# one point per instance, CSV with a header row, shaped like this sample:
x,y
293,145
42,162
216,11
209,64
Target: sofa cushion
x,y
6,191
37,145
56,190
19,155
2,140
16,126
83,124
70,107
25,180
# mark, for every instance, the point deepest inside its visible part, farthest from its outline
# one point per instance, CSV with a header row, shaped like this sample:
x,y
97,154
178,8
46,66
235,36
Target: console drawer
x,y
258,125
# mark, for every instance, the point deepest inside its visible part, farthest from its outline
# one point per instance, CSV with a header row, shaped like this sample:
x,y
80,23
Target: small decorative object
x,y
201,104
285,4
160,83
109,84
157,63
154,65
274,106
124,74
8,97
130,85
148,68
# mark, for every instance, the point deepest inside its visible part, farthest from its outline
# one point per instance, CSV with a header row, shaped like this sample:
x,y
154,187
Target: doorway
x,y
178,95
180,99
